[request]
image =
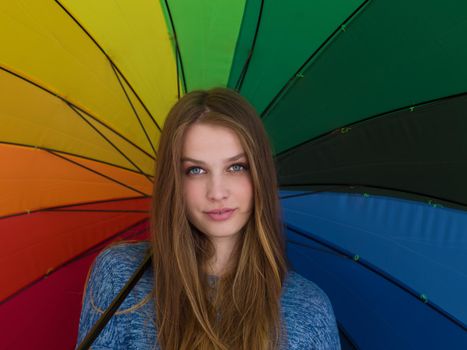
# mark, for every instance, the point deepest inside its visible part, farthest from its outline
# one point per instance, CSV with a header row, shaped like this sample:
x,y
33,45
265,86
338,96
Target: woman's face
x,y
218,190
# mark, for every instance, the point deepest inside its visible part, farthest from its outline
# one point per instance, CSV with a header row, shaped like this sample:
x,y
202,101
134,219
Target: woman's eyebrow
x,y
188,159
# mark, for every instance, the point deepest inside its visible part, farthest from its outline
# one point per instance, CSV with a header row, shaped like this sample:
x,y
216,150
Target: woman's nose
x,y
217,188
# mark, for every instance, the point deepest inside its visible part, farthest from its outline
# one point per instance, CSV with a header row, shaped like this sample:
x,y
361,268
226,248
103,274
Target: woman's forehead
x,y
211,142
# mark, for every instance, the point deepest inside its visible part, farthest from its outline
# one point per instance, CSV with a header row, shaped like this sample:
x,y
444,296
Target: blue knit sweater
x,y
306,310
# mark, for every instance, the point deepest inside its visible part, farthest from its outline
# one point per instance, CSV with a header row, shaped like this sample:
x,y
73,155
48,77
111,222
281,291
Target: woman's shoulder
x,y
124,253
302,289
308,313
133,322
112,269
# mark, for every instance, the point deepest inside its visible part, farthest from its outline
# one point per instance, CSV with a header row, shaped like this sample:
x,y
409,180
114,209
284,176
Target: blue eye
x,y
193,171
239,167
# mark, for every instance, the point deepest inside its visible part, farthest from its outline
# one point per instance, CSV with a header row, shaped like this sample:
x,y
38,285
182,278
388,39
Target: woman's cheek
x,y
194,191
247,190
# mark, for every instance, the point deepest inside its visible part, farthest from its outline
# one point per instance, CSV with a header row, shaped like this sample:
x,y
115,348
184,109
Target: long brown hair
x,y
242,310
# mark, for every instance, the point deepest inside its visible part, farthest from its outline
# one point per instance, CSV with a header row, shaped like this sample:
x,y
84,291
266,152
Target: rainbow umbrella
x,y
365,103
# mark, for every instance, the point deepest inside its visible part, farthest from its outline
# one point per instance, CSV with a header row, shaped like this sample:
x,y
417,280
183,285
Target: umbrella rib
x,y
178,53
74,155
64,206
380,115
377,271
96,211
327,188
79,111
297,74
76,108
134,110
416,195
110,142
98,173
322,250
345,334
246,65
93,249
111,62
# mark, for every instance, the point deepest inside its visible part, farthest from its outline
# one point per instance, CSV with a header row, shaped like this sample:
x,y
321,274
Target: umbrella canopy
x,y
365,103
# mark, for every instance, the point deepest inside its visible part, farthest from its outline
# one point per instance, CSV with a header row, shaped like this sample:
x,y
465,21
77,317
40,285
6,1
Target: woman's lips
x,y
221,215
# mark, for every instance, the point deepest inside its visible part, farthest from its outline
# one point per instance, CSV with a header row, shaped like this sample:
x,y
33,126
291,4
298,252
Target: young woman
x,y
219,276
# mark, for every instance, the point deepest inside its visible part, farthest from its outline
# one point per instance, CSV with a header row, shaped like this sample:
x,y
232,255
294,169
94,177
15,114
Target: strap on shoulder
x,y
118,300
